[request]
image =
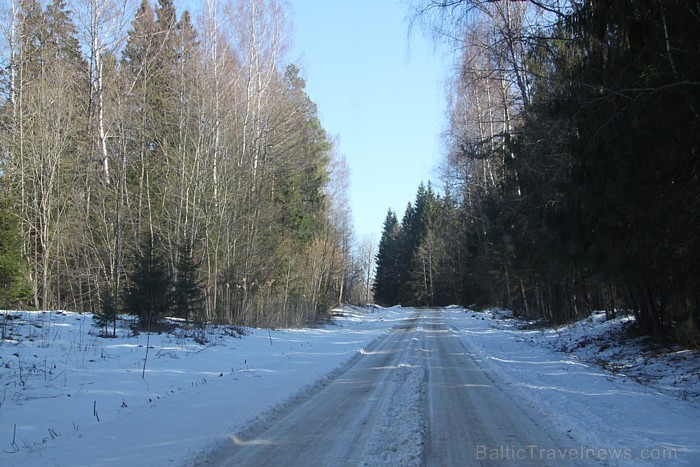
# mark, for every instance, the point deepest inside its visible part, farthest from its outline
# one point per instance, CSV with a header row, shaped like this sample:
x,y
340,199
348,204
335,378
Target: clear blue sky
x,y
380,91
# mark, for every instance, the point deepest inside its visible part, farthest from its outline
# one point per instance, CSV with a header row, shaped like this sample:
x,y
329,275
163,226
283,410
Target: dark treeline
x,y
144,150
571,176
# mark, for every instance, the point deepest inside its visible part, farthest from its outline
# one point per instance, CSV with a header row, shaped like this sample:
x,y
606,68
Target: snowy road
x,y
470,417
414,396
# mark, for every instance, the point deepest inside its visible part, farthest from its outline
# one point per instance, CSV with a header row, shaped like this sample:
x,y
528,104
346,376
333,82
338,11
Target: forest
x,y
571,170
157,162
154,161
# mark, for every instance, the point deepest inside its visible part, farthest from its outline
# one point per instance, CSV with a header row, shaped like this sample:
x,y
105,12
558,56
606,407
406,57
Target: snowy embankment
x,y
68,397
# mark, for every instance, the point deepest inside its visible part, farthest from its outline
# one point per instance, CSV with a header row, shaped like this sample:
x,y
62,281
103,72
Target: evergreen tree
x,y
448,252
148,294
585,197
62,33
141,41
403,273
300,177
107,315
387,278
48,39
635,158
188,297
144,103
165,61
404,256
423,248
13,288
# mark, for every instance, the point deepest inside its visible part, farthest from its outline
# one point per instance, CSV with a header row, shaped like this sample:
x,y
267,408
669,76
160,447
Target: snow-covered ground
x,y
69,397
632,402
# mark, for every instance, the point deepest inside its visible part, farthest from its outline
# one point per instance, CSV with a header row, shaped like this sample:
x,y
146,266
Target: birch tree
x,y
47,111
128,123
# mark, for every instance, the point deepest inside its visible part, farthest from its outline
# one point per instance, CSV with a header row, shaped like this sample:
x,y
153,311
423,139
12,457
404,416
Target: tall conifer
x,y
387,279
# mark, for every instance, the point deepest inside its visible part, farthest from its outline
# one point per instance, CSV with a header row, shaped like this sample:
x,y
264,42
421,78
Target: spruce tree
x,y
107,315
188,296
148,295
387,278
423,218
406,245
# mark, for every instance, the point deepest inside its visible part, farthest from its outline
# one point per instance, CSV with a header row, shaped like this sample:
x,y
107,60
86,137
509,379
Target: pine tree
x,y
148,295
